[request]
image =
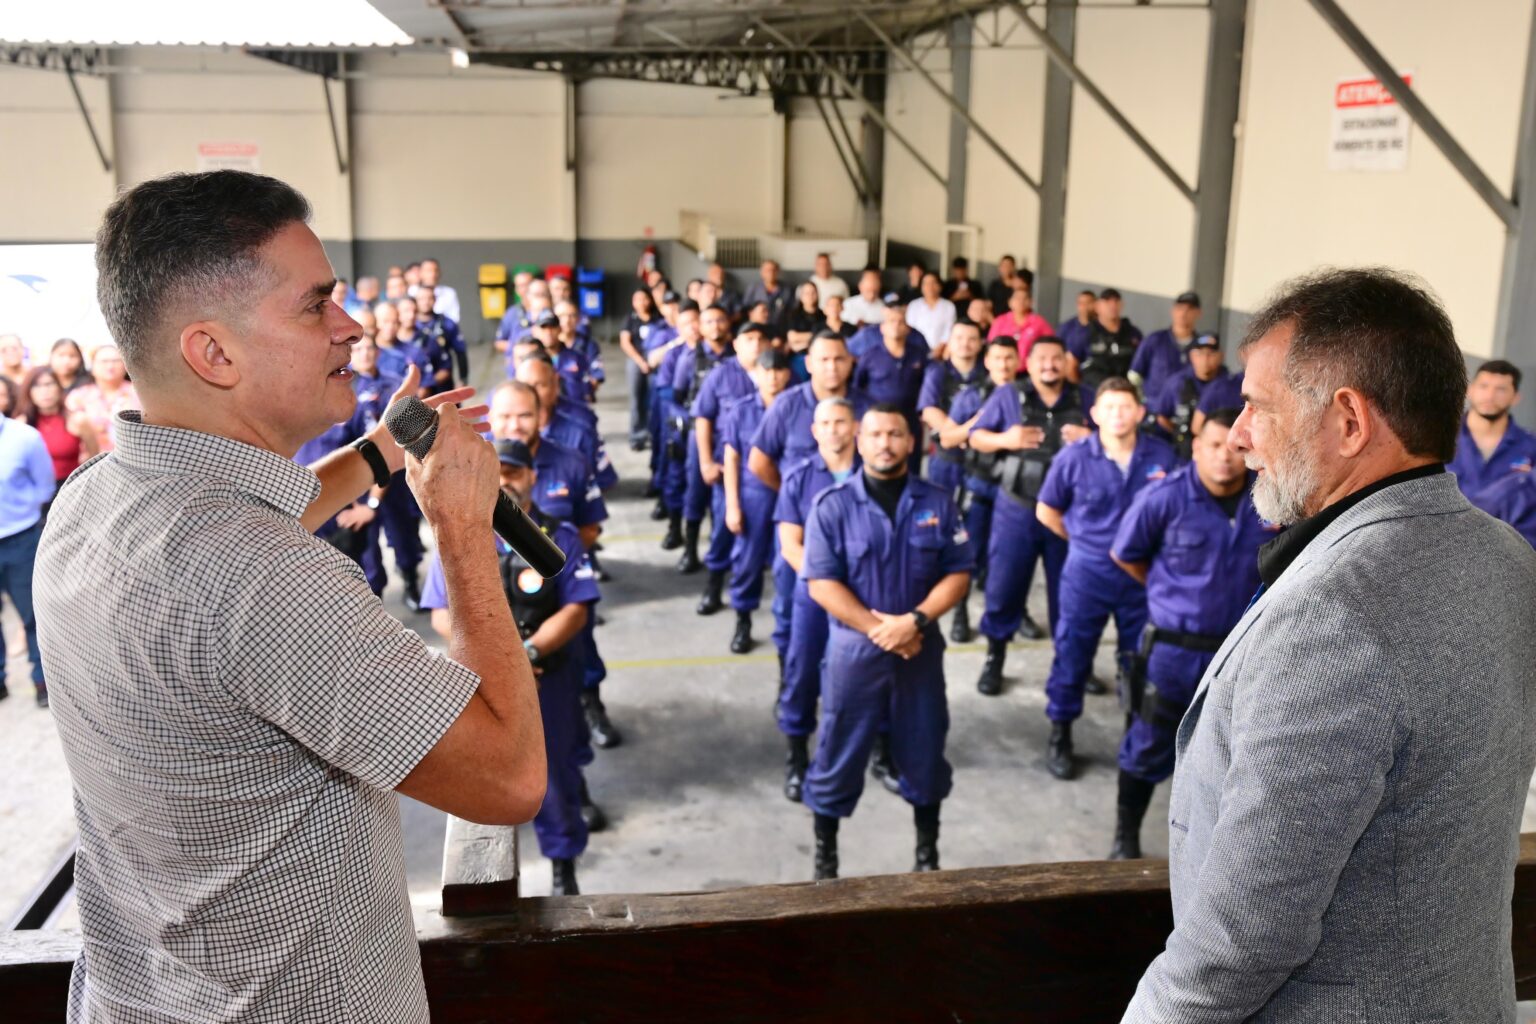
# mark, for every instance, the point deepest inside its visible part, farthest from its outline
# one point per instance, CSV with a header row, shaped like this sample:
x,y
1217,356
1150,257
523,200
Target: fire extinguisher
x,y
647,261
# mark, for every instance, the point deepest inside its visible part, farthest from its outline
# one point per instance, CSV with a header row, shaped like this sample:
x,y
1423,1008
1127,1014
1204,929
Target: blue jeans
x,y
18,552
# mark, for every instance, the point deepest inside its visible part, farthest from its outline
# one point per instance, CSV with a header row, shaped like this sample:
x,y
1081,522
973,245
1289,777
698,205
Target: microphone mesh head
x,y
413,425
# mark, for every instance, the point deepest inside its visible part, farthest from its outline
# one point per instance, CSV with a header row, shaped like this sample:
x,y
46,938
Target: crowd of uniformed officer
x,y
879,476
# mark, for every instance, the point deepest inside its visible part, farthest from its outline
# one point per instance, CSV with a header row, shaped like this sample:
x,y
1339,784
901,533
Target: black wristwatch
x,y
375,459
533,652
921,619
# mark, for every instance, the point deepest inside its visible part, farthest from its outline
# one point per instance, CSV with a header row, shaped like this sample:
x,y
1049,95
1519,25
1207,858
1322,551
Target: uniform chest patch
x,y
1156,472
926,519
557,490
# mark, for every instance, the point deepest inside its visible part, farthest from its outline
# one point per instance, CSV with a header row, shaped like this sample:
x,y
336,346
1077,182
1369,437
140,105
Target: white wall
x,y
914,202
1293,214
821,200
52,181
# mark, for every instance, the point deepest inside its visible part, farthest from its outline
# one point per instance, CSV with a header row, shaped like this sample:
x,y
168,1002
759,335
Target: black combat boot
x,y
926,818
592,814
563,883
1058,752
826,847
741,642
604,735
990,682
710,602
1095,686
1029,629
689,563
674,538
42,696
960,624
794,768
1130,807
659,510
883,768
412,584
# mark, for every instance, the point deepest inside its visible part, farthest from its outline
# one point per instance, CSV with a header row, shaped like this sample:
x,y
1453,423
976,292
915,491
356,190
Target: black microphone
x,y
413,425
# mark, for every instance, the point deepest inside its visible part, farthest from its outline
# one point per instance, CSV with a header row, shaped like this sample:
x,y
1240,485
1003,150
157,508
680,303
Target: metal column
x,y
1218,155
873,152
1061,26
1515,331
960,89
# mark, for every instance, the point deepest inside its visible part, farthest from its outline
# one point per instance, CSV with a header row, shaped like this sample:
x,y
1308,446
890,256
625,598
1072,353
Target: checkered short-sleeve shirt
x,y
236,707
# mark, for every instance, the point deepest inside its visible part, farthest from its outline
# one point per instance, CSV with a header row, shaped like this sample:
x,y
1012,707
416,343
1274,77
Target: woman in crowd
x,y
111,393
69,435
644,317
68,365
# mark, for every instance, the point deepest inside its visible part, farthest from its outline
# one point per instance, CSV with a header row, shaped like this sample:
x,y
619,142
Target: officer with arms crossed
x,y
1086,494
550,615
885,555
1193,541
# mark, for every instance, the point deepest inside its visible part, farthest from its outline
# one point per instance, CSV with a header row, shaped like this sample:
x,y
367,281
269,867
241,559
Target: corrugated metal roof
x,y
271,23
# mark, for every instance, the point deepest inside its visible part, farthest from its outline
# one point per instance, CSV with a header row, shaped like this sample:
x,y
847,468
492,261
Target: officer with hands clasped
x,y
550,615
1086,494
885,555
1193,541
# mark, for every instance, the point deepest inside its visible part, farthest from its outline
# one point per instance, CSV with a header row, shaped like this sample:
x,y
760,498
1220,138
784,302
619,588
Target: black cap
x,y
1110,293
751,328
773,359
688,306
547,319
894,299
513,452
1188,299
1206,341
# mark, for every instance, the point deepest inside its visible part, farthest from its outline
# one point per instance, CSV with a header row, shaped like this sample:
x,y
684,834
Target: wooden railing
x,y
1043,942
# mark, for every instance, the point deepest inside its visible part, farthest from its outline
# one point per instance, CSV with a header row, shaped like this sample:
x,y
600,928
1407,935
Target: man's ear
x,y
204,348
1356,423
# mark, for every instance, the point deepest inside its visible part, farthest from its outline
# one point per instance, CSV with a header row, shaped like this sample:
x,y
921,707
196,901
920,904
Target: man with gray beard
x,y
1351,773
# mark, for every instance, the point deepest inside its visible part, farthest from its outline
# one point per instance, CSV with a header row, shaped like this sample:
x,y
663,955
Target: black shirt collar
x,y
1277,556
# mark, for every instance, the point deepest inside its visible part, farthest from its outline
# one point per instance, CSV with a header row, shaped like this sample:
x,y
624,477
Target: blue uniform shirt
x,y
570,432
889,565
662,333
1166,401
804,485
398,358
440,332
726,383
514,327
574,370
1157,358
681,365
373,395
1512,500
1075,334
565,489
1088,487
967,404
1001,409
785,433
1516,451
737,423
1223,393
576,583
936,374
884,378
1204,566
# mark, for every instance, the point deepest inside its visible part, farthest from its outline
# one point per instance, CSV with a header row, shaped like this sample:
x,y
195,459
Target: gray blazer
x,y
1345,813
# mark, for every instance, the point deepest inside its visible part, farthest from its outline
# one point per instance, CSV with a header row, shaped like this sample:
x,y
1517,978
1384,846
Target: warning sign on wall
x,y
1370,131
228,156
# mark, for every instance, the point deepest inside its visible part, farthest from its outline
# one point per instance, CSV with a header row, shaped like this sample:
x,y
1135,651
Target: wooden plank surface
x,y
479,868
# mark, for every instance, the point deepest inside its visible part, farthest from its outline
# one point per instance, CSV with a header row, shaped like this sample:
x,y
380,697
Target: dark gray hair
x,y
1382,333
186,241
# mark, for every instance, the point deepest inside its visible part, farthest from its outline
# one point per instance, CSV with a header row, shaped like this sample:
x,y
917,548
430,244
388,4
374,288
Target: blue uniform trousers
x,y
946,473
865,690
558,825
1092,589
639,401
678,473
977,509
1147,749
803,664
594,669
656,428
18,552
1017,541
400,519
784,584
753,548
717,556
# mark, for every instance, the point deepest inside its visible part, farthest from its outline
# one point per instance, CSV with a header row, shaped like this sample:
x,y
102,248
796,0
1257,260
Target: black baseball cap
x,y
1187,299
773,359
1206,340
1110,293
547,319
513,452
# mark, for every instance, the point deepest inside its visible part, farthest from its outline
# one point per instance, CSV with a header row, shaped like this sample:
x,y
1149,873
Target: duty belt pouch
x,y
1157,710
1134,689
351,543
677,444
1022,478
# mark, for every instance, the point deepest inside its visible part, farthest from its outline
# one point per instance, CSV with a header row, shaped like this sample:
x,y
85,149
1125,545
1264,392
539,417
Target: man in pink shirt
x,y
1021,322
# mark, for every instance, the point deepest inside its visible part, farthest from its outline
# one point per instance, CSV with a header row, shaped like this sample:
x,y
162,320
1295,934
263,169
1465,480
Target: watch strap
x,y
375,459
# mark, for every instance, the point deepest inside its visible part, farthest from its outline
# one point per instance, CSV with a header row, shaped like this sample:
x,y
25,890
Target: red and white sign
x,y
1370,131
228,156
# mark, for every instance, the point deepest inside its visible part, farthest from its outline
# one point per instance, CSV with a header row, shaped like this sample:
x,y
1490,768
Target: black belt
x,y
1189,641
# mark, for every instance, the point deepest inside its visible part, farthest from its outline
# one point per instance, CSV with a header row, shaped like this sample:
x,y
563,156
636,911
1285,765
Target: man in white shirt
x,y
865,307
827,283
930,314
445,298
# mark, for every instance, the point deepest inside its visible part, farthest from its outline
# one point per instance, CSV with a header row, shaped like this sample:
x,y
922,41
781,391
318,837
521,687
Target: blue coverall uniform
x,y
727,381
753,548
942,386
1178,400
1512,500
1515,453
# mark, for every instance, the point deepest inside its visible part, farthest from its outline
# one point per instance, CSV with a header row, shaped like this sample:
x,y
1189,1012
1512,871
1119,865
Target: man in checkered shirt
x,y
236,706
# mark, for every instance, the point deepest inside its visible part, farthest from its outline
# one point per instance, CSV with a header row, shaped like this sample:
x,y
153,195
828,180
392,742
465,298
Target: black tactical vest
x,y
1184,417
1109,355
1022,473
949,390
532,598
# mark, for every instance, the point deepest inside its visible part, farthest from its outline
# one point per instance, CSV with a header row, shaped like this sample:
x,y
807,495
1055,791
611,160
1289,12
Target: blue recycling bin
x,y
589,292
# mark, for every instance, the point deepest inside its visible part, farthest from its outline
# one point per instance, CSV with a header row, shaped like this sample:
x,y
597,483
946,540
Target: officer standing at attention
x,y
398,516
1175,407
978,485
784,440
689,374
1075,331
1027,425
1193,541
805,629
1085,496
885,555
730,380
1111,343
892,372
439,332
550,615
943,382
1164,353
575,372
676,439
1491,445
748,501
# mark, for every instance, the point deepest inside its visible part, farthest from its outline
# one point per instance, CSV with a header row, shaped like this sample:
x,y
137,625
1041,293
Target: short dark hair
x,y
183,239
1224,417
887,409
1381,332
1001,342
12,398
1120,384
1048,339
966,321
1088,292
960,263
828,334
1502,367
